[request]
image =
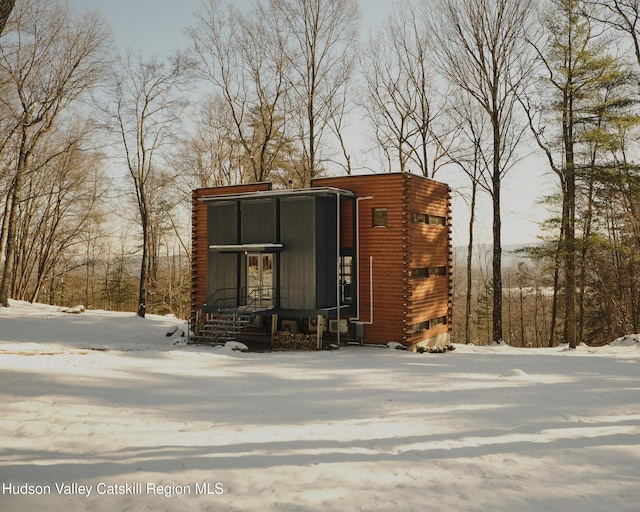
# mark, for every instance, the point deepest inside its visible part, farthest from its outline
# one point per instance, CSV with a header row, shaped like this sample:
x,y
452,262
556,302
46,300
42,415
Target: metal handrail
x,y
210,303
264,295
240,298
258,299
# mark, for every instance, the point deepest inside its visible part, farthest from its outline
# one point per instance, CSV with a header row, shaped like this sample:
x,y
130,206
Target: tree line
x,y
101,148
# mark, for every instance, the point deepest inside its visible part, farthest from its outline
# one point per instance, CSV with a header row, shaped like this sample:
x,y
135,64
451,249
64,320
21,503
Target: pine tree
x,y
576,65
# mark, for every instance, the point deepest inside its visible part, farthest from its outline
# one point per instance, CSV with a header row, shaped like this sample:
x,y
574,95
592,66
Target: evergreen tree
x,y
581,98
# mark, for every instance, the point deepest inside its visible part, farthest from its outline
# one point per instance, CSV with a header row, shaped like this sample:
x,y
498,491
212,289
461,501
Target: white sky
x,y
156,27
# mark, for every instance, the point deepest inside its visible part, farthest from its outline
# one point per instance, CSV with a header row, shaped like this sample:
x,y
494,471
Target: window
x,y
435,220
379,217
439,320
420,272
422,326
425,218
438,271
346,276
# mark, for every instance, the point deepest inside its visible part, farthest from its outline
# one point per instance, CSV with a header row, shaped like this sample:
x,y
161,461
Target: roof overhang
x,y
299,192
266,247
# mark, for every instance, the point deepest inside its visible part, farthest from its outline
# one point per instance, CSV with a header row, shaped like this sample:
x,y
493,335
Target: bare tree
x,y
62,194
208,156
481,50
470,154
402,100
50,59
145,117
321,38
621,15
243,56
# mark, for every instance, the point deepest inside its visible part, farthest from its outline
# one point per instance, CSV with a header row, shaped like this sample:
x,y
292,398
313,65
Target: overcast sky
x,y
157,27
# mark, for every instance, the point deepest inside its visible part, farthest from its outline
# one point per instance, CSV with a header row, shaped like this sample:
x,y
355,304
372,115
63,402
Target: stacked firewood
x,y
284,340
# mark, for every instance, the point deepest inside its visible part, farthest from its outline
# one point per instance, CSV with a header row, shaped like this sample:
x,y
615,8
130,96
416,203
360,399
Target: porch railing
x,y
233,298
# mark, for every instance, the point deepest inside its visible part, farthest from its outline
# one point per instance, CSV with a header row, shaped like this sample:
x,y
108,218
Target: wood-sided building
x,y
370,253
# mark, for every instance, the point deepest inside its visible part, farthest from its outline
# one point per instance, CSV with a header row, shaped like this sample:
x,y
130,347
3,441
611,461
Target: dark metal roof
x,y
298,192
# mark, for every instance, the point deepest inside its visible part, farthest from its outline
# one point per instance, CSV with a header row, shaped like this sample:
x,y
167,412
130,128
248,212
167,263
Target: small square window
x,y
419,218
379,217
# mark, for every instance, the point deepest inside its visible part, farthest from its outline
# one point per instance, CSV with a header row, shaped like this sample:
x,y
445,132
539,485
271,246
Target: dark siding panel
x,y
223,275
199,237
223,223
326,254
222,269
259,221
346,224
297,260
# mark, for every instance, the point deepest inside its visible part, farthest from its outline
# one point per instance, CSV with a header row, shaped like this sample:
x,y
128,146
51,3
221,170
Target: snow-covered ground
x,y
106,407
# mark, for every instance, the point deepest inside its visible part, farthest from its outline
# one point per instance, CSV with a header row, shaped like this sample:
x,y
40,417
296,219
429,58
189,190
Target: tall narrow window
x,y
379,217
346,279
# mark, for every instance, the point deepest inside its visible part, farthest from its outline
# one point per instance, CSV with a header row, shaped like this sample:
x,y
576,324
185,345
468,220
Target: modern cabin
x,y
362,259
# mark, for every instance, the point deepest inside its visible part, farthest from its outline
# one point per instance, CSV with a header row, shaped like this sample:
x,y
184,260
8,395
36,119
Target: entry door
x,y
260,279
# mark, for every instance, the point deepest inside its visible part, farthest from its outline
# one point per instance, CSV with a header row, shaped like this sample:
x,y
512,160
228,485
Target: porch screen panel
x,y
258,221
297,260
222,268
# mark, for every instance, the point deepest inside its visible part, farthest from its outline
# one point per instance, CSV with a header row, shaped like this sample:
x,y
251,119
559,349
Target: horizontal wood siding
x,y
387,246
399,300
199,237
429,246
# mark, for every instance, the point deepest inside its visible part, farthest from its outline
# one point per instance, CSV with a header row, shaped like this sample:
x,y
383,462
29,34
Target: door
x,y
260,279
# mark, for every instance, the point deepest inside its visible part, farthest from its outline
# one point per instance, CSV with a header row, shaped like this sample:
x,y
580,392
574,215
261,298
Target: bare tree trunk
x,y
536,327
45,75
142,289
521,283
481,51
8,275
322,35
584,252
467,314
5,225
6,6
556,288
144,117
497,260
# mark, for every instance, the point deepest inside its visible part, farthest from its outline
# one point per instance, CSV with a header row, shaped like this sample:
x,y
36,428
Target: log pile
x,y
284,340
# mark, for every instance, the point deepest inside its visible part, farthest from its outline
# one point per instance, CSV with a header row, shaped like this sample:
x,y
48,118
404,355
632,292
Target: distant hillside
x,y
482,253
